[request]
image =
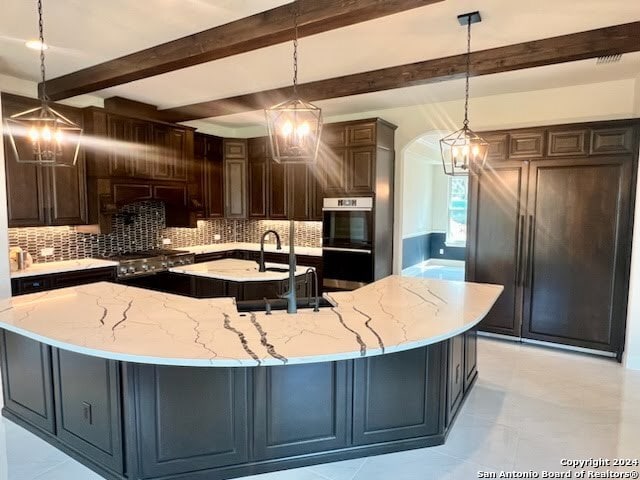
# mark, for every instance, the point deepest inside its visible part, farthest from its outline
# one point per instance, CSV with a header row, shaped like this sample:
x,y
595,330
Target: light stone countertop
x,y
254,247
236,270
63,266
126,323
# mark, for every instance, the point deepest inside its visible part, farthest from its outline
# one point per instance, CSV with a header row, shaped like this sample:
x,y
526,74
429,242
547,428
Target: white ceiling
x,y
82,33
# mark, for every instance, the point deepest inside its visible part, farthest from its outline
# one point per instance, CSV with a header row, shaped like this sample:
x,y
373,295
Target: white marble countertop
x,y
237,270
62,266
126,323
254,247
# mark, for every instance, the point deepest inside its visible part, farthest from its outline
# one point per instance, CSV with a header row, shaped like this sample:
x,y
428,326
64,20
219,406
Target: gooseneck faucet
x,y
261,267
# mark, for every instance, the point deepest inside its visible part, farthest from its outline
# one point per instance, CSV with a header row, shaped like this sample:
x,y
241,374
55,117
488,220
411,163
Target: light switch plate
x,y
46,252
217,236
442,251
166,241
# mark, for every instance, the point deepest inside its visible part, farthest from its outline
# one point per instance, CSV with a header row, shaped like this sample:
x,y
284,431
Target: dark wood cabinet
x,y
139,135
257,173
26,380
408,406
235,178
455,375
553,225
119,156
41,283
278,201
350,157
295,416
470,358
40,196
208,158
88,409
174,403
299,192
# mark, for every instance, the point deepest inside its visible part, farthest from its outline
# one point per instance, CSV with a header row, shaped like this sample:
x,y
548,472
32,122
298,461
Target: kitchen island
x,y
115,376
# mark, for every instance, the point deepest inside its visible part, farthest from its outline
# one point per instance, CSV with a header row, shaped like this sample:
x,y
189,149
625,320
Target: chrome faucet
x,y
261,267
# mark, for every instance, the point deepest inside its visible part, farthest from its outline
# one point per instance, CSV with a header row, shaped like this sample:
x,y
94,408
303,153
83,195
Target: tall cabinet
x,y
551,219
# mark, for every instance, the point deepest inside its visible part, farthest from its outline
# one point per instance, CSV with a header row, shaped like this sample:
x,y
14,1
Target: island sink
x,y
279,304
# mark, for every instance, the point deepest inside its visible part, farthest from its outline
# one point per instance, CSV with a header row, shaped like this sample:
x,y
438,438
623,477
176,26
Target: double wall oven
x,y
347,242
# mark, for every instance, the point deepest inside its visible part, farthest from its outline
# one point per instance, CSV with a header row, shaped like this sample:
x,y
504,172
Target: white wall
x,y
439,199
417,196
632,350
5,282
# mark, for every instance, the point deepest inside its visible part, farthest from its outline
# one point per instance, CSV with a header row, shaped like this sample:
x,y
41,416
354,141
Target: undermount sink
x,y
276,269
278,304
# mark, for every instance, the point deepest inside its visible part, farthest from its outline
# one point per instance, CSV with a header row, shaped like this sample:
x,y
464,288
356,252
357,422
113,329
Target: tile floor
x,y
530,408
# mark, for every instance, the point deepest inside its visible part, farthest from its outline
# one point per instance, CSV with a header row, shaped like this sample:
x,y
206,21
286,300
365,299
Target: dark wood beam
x,y
251,33
566,48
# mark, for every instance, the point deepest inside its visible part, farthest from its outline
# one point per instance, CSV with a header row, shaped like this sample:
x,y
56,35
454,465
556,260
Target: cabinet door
x,y
361,170
235,178
397,396
119,153
277,191
26,202
497,203
578,248
214,178
88,410
140,135
298,192
334,166
178,146
455,376
161,156
26,380
300,409
316,192
257,176
67,194
470,358
174,408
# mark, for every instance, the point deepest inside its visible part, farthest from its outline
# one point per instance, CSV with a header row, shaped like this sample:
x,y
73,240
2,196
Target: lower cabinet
x,y
455,376
41,283
300,409
26,380
88,407
397,396
190,419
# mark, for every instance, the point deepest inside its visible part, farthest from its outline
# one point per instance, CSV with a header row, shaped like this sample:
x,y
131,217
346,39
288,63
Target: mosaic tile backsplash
x,y
140,226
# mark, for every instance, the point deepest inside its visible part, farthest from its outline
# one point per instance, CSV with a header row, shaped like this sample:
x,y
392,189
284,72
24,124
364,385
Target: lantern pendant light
x,y
295,125
41,135
464,150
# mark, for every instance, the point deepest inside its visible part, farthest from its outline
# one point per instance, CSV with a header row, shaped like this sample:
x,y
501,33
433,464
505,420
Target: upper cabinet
x,y
356,156
235,178
135,159
40,196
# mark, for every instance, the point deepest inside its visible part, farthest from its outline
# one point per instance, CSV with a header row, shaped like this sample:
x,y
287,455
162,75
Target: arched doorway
x,y
432,213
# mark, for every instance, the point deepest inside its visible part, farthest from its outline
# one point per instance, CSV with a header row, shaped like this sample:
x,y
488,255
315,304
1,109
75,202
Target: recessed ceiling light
x,y
35,45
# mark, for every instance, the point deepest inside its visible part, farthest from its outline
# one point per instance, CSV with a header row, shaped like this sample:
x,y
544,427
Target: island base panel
x,y
196,423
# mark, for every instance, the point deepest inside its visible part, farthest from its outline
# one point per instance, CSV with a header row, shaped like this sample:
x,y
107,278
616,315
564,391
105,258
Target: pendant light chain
x,y
466,91
295,49
43,91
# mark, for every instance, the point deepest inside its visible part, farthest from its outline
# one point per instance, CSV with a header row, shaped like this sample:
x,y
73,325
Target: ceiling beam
x,y
566,48
261,30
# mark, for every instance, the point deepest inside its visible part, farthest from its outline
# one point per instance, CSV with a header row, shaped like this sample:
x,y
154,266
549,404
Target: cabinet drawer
x,y
364,134
235,149
83,277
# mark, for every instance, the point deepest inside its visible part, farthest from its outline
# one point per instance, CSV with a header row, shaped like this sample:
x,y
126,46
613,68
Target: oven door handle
x,y
341,249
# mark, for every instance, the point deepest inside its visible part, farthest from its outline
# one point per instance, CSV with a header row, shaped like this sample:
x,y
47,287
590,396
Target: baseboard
x,y
443,262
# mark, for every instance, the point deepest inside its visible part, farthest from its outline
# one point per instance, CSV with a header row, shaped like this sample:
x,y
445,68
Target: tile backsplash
x,y
140,226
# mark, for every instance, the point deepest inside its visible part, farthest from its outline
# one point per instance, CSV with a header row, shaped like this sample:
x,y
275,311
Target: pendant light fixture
x,y
295,125
464,150
41,135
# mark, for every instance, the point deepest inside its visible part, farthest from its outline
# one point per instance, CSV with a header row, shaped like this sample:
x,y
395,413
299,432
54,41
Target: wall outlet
x,y
166,241
46,252
441,251
217,236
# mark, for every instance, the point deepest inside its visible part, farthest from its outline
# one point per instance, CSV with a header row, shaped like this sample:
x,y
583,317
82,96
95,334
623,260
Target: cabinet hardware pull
x,y
527,279
519,239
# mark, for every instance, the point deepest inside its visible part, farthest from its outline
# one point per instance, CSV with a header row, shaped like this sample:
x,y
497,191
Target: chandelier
x,y
464,150
41,135
294,126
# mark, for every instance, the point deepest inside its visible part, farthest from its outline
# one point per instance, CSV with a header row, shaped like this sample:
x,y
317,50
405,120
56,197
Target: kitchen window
x,y
457,208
